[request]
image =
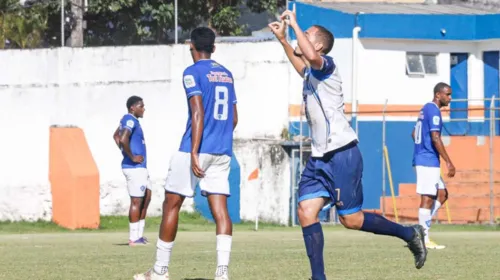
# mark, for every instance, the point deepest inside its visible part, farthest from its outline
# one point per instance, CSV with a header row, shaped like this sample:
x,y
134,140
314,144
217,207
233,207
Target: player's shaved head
x,y
439,87
203,39
324,37
132,101
442,94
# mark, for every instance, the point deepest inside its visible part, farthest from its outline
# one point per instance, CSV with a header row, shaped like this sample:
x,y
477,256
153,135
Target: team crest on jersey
x,y
435,120
189,81
130,123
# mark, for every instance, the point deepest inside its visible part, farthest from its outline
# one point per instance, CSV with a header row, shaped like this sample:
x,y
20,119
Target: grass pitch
x,y
48,252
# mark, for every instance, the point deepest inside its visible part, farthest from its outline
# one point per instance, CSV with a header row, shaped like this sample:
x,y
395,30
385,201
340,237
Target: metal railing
x,y
488,124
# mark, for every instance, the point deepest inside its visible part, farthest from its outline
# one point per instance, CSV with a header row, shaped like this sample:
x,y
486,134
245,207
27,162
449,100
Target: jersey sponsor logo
x,y
221,77
130,123
435,120
189,81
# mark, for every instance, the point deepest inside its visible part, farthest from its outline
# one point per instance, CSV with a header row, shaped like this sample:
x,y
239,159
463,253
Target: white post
x,y
176,11
62,23
492,138
383,159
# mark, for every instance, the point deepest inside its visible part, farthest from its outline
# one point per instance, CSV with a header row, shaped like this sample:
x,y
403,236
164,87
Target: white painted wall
x,y
88,88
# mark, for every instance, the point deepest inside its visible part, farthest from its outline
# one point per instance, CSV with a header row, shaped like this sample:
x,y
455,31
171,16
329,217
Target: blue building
x,y
390,57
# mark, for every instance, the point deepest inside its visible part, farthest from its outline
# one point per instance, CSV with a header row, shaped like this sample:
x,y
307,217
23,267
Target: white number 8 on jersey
x,y
221,99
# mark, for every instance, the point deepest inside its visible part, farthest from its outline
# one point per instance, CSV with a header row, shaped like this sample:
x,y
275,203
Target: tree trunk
x,y
77,32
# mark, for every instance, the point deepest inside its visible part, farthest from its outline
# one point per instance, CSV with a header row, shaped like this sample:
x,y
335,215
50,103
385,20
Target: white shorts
x,y
182,181
429,180
137,181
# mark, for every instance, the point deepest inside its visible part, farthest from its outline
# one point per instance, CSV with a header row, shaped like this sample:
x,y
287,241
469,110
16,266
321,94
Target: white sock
x,y
134,231
163,252
223,253
425,219
142,223
437,204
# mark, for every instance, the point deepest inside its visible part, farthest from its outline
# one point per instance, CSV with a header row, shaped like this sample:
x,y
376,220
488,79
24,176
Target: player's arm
x,y
197,117
235,108
278,28
438,143
305,45
193,92
124,141
116,136
435,125
235,116
413,134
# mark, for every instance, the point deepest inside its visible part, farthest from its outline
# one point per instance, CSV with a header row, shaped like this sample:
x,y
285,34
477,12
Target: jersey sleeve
x,y
127,123
434,119
191,82
326,70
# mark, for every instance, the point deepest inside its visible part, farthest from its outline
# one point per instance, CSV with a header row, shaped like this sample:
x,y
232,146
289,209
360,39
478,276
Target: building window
x,y
421,64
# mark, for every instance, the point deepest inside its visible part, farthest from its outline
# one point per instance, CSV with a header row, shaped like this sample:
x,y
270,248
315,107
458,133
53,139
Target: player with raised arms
x,y
332,175
129,138
427,149
204,155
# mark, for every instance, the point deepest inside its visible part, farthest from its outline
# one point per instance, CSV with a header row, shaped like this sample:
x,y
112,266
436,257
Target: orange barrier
x,y
74,180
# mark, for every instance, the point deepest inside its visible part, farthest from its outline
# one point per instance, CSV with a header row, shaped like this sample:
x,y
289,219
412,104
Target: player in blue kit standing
x,y
129,138
204,155
333,173
428,147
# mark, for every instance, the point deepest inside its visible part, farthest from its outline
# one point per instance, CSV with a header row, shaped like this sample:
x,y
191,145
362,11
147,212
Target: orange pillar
x,y
74,180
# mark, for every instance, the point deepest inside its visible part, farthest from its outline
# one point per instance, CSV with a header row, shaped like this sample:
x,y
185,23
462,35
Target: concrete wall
x,y
88,88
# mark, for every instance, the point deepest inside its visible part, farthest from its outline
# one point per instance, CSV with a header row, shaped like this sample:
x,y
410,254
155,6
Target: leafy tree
x,y
23,27
121,22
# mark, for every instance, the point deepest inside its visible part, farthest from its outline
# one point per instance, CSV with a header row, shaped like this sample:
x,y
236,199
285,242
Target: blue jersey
x,y
429,119
137,144
214,83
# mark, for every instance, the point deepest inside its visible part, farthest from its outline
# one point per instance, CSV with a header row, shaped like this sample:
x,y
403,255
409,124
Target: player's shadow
x,y
120,244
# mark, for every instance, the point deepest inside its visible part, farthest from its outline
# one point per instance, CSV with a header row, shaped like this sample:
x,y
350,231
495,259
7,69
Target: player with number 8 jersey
x,y
204,155
215,85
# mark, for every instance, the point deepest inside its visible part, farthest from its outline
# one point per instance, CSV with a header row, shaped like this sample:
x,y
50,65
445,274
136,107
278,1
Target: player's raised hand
x,y
289,17
278,29
195,166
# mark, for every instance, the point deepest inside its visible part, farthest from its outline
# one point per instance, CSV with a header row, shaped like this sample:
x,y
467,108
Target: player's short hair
x,y
440,86
203,39
132,100
326,38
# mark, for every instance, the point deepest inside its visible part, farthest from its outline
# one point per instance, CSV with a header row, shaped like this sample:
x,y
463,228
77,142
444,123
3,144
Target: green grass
x,y
187,222
273,253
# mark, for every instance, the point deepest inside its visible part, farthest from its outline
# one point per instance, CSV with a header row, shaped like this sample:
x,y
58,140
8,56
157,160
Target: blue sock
x,y
314,240
377,224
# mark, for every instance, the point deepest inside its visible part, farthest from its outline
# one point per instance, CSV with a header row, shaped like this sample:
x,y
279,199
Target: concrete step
x,y
457,215
454,201
471,175
457,188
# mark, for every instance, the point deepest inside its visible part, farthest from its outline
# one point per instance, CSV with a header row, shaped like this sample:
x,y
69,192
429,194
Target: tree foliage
x,y
122,22
23,27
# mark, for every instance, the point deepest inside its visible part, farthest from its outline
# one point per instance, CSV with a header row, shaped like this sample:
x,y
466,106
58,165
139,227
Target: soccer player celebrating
x,y
332,175
204,155
129,138
428,147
